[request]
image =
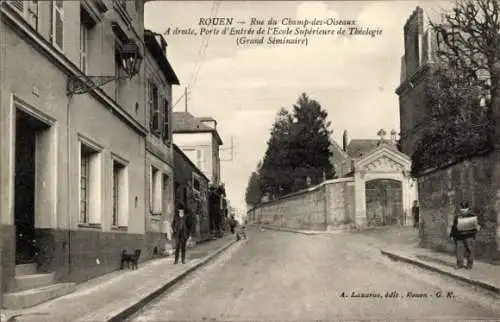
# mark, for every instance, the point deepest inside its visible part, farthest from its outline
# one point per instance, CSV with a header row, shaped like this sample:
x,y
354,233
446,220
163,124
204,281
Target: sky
x,y
243,87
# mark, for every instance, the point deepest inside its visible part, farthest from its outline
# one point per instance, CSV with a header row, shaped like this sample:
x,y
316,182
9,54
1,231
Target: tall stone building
x,y
417,64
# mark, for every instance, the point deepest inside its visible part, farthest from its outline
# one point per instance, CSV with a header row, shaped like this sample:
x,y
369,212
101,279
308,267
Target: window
x,y
84,183
154,109
166,120
199,159
83,47
90,185
120,195
28,9
156,191
57,24
196,184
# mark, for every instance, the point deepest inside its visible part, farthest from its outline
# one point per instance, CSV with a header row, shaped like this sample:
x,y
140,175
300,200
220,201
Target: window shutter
x,y
32,15
166,120
156,116
18,4
161,113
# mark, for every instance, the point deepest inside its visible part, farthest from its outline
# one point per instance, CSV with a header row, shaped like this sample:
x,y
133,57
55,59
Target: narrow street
x,y
285,276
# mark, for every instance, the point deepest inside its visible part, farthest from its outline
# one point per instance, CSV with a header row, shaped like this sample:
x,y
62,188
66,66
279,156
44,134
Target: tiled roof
x,y
185,122
358,148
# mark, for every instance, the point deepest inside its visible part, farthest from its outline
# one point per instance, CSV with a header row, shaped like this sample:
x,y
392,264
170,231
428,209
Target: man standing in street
x,y
416,213
182,227
463,231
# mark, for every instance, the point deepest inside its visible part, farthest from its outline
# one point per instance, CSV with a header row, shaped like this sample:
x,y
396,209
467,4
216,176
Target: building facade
x,y
191,190
198,138
159,78
72,166
417,63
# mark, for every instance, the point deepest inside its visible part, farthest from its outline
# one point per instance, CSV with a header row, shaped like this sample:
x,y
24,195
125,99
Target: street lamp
x,y
130,60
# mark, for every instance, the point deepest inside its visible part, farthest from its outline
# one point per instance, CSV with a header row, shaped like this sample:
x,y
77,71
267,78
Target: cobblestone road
x,y
284,276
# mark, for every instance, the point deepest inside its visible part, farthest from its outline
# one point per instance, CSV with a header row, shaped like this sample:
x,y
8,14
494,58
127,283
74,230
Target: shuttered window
x,y
28,9
154,109
166,120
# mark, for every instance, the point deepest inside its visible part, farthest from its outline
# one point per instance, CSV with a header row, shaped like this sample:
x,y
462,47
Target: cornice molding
x,y
414,79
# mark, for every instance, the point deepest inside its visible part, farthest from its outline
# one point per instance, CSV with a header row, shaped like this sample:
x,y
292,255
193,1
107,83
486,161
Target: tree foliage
x,y
253,194
298,148
459,91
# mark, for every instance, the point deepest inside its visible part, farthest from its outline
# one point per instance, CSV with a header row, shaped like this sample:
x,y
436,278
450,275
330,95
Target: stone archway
x,y
384,202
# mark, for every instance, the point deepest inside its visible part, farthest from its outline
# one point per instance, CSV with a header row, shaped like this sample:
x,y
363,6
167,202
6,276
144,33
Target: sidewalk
x,y
483,275
114,296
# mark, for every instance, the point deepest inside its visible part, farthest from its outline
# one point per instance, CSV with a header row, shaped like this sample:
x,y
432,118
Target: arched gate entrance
x,y
384,202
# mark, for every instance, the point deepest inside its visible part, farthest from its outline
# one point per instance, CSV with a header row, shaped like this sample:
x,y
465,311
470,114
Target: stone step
x,y
25,282
32,297
25,269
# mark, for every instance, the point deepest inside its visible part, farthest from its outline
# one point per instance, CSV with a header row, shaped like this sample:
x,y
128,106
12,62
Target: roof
x,y
360,148
185,122
156,51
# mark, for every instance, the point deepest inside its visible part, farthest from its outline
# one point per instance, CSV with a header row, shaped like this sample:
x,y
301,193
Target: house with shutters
x,y
159,78
199,140
73,162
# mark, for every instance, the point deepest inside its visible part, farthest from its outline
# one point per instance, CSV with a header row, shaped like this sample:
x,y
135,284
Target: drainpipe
x,y
68,173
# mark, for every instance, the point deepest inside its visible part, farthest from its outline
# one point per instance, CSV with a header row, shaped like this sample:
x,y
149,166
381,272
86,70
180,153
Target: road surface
x,y
285,276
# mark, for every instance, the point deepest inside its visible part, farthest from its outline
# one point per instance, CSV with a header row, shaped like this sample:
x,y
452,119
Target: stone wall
x,y
440,193
326,206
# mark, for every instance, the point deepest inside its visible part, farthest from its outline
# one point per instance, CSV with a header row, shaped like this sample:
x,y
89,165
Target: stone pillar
x,y
360,197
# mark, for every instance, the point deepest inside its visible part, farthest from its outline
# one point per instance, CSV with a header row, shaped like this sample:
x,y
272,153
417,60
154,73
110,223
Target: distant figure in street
x,y
232,224
182,228
415,210
463,231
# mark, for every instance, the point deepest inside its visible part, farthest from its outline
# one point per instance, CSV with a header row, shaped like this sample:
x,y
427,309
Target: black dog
x,y
130,258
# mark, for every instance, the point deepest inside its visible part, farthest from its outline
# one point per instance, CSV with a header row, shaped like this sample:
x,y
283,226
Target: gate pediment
x,y
384,164
384,159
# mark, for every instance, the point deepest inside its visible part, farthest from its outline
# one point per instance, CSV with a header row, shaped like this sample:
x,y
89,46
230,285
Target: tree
x,y
468,42
253,194
461,113
299,148
274,173
310,143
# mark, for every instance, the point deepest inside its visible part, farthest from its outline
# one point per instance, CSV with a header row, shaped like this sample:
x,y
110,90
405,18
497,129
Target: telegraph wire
x,y
201,55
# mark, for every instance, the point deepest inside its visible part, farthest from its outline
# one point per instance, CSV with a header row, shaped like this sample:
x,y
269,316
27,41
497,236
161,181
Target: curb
x,y
308,233
129,309
485,286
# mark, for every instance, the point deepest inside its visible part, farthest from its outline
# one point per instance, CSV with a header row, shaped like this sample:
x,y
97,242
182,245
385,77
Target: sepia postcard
x,y
249,160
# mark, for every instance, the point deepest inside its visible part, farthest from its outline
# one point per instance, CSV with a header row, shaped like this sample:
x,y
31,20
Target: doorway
x,y
27,131
384,202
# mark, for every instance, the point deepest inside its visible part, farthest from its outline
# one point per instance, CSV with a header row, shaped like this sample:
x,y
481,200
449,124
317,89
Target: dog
x,y
130,258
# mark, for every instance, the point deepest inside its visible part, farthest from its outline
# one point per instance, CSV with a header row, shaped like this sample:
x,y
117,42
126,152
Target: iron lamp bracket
x,y
81,85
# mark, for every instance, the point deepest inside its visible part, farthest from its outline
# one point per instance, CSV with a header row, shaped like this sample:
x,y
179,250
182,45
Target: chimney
x,y
208,121
162,43
344,141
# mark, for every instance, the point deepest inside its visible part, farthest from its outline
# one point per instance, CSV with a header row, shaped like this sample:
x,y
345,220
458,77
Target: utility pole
x,y
186,98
